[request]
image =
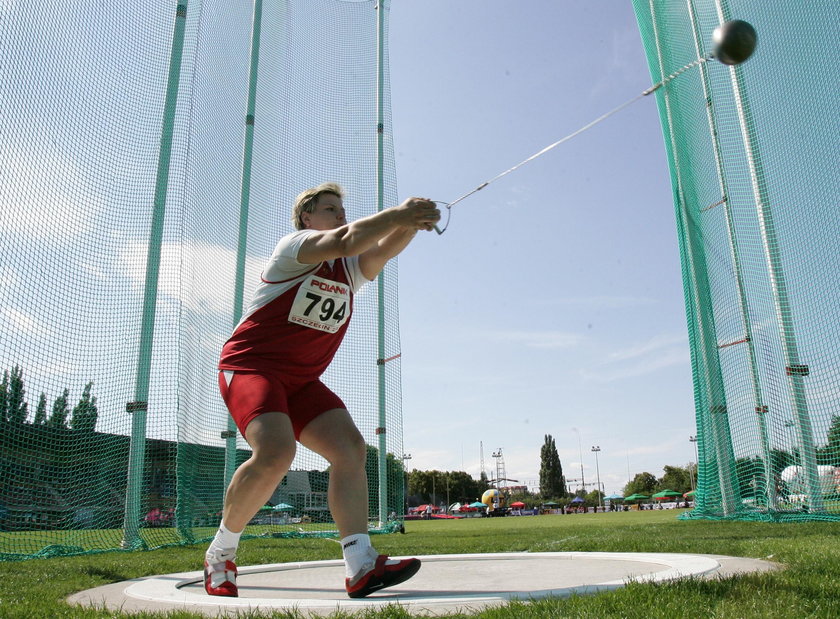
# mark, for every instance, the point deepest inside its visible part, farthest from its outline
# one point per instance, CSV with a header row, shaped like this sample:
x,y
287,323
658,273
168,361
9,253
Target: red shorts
x,y
249,395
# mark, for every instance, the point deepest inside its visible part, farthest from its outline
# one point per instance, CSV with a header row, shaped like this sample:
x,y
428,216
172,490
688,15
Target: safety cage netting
x,y
752,150
150,152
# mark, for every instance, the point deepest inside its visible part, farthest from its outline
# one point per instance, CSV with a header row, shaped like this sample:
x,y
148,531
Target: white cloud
x,y
604,302
538,339
621,48
44,194
95,270
8,277
676,442
649,348
659,352
432,459
209,289
22,322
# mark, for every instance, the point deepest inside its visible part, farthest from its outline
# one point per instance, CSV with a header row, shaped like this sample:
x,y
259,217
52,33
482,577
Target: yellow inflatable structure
x,y
492,498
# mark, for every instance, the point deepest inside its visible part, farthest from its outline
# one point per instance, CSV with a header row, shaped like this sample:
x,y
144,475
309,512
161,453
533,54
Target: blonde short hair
x,y
306,201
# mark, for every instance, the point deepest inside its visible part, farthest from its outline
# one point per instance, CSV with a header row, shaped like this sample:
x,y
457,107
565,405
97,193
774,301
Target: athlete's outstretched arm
x,y
364,234
373,260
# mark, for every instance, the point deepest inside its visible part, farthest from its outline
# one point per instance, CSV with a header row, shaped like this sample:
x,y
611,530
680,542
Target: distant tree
x,y
524,496
781,459
595,497
422,484
41,411
434,486
85,412
481,485
60,410
676,478
834,431
4,396
393,479
462,487
16,406
552,482
643,483
437,492
830,454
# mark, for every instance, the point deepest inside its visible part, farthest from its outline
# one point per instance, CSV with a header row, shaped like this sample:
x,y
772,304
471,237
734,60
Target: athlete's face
x,y
328,213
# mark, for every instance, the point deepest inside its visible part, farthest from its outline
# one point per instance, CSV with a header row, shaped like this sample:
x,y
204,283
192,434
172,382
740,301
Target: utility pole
x,y
447,492
580,452
694,481
596,449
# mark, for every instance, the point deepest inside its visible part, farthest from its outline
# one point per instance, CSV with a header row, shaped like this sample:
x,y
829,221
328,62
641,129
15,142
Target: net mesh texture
x,y
125,166
752,151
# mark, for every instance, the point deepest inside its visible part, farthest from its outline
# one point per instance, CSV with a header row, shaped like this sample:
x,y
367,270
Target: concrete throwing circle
x,y
445,583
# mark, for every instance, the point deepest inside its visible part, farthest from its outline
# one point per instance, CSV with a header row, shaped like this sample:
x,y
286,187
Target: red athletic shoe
x,y
379,575
220,579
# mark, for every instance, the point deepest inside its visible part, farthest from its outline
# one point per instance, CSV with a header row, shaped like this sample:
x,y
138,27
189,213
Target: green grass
x,y
809,586
23,544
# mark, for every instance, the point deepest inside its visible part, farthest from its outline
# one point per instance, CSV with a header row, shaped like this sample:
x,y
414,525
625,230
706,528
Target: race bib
x,y
321,304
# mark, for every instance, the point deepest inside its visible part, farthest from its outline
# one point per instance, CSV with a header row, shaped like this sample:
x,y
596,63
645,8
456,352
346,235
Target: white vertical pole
x,y
760,407
794,368
382,8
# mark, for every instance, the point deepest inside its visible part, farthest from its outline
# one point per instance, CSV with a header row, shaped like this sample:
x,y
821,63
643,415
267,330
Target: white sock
x,y
223,547
357,552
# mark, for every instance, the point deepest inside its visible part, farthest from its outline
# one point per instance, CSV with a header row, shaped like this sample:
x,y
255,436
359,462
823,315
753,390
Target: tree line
x,y
14,409
459,486
676,478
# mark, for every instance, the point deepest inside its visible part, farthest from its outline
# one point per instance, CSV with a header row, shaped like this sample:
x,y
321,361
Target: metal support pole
x,y
759,407
404,458
714,420
139,407
795,369
382,9
692,478
244,204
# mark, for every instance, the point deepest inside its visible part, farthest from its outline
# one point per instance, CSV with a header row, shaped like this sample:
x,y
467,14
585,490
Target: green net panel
x,y
753,158
150,152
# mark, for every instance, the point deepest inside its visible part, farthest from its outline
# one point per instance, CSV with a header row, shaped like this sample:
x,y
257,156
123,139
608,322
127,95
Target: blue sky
x,y
553,304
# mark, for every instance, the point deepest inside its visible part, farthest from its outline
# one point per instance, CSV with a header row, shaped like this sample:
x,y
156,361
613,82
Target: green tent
x,y
667,494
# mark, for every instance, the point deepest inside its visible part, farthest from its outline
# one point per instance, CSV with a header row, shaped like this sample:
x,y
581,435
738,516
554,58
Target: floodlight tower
x,y
501,474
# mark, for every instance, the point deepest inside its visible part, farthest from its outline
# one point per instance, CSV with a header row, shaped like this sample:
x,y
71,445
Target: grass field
x,y
809,586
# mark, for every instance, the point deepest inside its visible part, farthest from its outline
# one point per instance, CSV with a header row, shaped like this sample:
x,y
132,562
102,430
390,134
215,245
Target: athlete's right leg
x,y
273,445
334,436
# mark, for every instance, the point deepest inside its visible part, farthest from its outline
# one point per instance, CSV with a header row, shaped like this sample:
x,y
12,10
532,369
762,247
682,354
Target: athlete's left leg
x,y
334,436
